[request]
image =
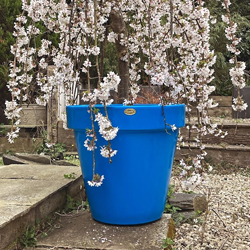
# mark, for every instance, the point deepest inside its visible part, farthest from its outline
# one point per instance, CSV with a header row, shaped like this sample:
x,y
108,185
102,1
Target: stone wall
x,y
21,145
235,155
237,135
224,108
66,136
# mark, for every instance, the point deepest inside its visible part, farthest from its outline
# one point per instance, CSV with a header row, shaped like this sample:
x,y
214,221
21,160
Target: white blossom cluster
x,y
97,181
89,143
102,94
193,172
12,112
108,132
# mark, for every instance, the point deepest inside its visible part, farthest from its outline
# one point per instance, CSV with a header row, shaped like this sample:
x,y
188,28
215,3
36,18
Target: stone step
x,y
36,158
80,231
11,159
186,201
32,192
25,158
237,155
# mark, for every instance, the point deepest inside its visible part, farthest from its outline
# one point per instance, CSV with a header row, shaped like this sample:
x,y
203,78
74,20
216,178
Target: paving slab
x,y
31,192
80,231
36,158
11,159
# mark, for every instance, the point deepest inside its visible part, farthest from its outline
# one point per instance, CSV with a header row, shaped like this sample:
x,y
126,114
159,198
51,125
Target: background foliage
x,y
9,9
240,10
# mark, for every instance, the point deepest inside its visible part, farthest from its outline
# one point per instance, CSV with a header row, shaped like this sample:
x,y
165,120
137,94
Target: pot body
x,y
135,187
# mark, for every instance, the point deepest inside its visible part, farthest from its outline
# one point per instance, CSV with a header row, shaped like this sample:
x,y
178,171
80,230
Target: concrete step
x,y
32,192
80,231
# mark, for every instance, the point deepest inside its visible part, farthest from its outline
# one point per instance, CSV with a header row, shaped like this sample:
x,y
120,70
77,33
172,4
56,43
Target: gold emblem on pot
x,y
129,111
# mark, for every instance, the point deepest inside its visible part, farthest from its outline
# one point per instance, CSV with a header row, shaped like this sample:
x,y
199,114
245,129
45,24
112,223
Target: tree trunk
x,y
118,26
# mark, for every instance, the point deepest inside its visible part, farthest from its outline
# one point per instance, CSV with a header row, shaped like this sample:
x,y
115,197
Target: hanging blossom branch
x,y
198,61
236,72
23,81
187,72
106,130
102,94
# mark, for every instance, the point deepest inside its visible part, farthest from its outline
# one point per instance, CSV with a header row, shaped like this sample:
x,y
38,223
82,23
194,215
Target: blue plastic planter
x,y
135,187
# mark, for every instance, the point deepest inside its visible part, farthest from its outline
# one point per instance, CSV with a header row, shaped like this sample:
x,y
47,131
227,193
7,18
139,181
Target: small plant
x,y
73,159
9,152
168,207
47,225
28,238
179,219
170,191
73,206
70,176
70,205
55,150
188,192
223,116
1,161
171,209
43,235
168,243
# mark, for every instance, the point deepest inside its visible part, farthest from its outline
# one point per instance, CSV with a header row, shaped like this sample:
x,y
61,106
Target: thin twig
x,y
219,218
222,245
164,117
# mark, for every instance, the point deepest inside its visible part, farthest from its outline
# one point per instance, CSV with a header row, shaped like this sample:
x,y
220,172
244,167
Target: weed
x,y
1,161
193,218
28,238
168,243
188,192
70,205
168,207
171,209
39,230
170,191
9,152
178,219
70,176
73,206
47,225
55,150
43,235
74,159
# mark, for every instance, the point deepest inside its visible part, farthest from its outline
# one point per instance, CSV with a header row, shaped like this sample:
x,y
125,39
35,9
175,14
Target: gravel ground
x,y
228,219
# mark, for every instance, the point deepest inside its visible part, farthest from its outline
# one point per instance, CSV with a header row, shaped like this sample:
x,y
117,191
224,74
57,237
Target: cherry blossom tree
x,y
165,42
